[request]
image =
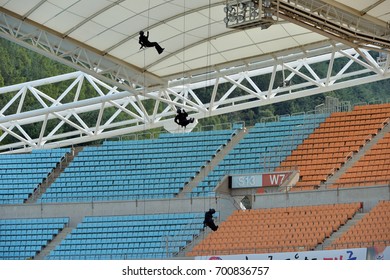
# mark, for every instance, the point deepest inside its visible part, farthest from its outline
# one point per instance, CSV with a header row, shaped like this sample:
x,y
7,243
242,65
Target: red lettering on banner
x,y
274,179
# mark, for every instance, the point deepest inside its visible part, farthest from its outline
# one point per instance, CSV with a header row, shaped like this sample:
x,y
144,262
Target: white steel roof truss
x,y
171,98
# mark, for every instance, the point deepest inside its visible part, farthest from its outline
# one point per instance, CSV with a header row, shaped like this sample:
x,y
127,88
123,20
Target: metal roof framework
x,y
101,42
165,101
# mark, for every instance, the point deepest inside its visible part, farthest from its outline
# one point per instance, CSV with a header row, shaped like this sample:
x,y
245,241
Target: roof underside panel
x,y
381,12
376,8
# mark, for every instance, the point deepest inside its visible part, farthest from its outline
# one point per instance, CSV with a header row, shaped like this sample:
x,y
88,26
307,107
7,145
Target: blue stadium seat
x,y
130,237
262,149
24,238
117,170
20,174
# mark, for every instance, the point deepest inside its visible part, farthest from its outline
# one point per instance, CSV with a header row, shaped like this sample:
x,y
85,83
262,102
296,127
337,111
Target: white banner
x,y
344,254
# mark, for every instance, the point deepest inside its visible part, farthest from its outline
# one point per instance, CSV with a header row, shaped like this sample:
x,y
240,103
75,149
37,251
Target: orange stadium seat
x,y
282,229
372,229
334,142
371,169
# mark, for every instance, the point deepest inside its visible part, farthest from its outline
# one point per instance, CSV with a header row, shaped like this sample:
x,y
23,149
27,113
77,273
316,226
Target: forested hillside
x,y
20,65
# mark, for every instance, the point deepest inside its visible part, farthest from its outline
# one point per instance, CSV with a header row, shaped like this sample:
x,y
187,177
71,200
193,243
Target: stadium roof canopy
x,y
100,38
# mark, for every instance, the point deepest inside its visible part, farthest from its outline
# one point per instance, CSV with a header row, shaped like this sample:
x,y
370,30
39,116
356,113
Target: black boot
x,y
160,50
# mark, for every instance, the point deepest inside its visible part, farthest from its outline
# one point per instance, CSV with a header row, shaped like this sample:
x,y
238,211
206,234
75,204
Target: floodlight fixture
x,y
245,14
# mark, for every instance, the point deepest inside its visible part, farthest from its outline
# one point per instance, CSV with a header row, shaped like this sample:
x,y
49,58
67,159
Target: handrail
x,y
186,227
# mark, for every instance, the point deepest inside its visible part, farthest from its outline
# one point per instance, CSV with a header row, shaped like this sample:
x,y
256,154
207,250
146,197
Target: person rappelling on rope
x,y
145,43
181,118
208,220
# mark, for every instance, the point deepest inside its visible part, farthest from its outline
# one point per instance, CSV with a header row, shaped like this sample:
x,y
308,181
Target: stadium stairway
x,y
329,147
276,229
214,162
263,148
344,228
183,254
55,242
53,175
371,230
356,157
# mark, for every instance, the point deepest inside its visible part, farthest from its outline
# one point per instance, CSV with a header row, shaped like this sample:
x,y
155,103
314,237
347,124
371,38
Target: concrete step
x,y
50,179
229,206
355,157
214,162
51,246
328,241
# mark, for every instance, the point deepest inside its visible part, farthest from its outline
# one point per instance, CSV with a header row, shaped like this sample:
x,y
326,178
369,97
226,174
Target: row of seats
x,y
116,233
24,238
371,169
301,229
21,174
348,132
263,148
135,169
372,230
130,237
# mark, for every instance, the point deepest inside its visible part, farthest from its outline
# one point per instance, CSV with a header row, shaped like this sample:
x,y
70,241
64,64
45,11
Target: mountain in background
x,y
20,65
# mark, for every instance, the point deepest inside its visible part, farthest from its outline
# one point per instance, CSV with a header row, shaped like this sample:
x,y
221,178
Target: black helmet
x,y
178,110
141,33
212,210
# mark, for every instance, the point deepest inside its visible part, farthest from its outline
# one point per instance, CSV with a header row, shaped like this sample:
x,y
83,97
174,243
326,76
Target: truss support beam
x,y
67,119
336,22
47,42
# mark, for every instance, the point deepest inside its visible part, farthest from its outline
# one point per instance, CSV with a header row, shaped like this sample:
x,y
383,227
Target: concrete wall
x,y
368,195
77,211
224,204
